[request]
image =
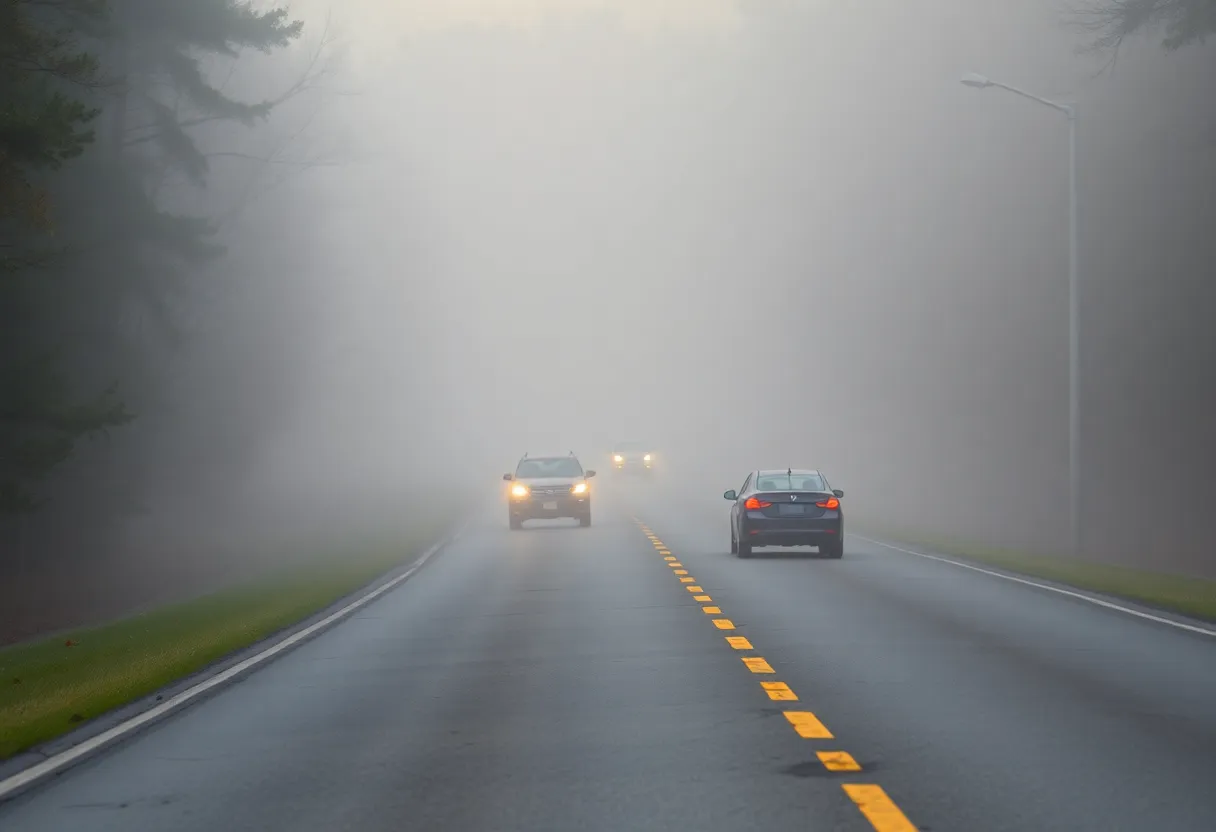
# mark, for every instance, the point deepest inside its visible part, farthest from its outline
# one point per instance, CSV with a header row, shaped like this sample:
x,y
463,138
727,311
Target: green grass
x,y
1190,596
47,688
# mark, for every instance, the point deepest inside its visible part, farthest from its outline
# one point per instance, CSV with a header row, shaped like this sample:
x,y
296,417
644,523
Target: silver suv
x,y
548,487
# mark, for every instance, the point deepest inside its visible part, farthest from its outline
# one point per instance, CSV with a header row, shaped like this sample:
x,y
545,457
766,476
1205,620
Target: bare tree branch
x,y
302,164
1111,22
280,161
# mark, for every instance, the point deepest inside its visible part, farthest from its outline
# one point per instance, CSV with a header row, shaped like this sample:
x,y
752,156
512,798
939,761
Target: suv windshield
x,y
562,466
630,446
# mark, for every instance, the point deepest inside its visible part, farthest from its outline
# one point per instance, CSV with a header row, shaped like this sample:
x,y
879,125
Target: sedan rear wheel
x,y
834,550
744,549
734,544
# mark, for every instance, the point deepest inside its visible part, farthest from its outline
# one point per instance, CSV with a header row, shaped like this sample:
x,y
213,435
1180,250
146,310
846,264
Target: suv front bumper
x,y
550,506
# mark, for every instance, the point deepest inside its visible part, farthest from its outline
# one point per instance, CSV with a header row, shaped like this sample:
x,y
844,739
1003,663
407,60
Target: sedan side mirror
x,y
507,477
588,475
838,492
730,495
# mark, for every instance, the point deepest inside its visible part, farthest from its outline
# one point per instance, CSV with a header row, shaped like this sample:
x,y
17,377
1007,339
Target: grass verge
x,y
1176,593
48,687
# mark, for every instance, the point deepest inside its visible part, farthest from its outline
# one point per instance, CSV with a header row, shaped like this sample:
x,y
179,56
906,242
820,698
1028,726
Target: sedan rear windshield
x,y
557,467
791,482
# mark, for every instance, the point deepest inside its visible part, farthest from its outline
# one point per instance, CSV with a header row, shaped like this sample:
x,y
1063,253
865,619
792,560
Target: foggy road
x,y
563,678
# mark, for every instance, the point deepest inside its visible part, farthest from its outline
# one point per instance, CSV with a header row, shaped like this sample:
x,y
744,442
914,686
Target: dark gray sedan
x,y
794,507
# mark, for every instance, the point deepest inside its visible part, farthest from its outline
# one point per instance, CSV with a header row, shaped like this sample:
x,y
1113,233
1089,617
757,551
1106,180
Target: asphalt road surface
x,y
568,679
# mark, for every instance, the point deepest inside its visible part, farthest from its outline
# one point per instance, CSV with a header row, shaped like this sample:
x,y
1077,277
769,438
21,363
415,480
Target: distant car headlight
x,y
618,458
518,490
646,458
579,488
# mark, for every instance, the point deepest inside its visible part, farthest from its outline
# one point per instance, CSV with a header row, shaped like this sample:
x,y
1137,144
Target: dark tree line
x,y
109,114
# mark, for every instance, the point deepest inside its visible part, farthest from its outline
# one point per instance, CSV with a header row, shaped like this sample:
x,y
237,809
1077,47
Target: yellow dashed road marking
x,y
758,665
779,691
838,761
874,803
808,725
880,810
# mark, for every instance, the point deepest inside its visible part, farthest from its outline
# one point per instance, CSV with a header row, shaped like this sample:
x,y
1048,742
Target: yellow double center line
x,y
873,802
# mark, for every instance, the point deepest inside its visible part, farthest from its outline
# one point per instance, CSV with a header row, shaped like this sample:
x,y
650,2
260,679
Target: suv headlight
x,y
579,488
618,458
518,490
646,458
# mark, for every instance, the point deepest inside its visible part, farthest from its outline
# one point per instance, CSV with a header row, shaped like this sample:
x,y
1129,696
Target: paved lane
x,y
978,703
554,679
566,678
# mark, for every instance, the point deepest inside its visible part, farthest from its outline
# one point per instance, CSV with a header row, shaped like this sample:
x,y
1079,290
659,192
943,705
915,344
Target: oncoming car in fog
x,y
794,507
549,487
633,457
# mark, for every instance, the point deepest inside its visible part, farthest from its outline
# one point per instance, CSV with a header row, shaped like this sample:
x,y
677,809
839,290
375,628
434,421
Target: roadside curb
x,y
31,768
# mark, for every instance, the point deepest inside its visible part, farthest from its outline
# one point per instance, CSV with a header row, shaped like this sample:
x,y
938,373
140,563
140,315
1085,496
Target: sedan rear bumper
x,y
786,532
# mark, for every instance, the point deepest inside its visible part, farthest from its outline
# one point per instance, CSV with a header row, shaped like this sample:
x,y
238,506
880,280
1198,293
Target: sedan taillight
x,y
830,502
753,504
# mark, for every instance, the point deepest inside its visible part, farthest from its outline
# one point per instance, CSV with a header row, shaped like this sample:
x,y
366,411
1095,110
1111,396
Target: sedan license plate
x,y
786,510
553,506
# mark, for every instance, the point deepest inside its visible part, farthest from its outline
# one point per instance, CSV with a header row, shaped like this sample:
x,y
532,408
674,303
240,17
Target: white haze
x,y
757,233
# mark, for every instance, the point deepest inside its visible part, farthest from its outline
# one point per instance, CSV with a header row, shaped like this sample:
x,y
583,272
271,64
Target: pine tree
x,y
119,89
44,123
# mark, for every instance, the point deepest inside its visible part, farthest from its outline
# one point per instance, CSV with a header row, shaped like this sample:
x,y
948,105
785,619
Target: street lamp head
x,y
973,79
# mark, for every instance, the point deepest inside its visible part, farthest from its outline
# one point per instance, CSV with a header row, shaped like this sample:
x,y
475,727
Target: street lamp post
x,y
1074,408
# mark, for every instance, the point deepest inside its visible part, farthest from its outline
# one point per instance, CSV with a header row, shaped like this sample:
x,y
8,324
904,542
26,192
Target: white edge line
x,y
1078,595
64,758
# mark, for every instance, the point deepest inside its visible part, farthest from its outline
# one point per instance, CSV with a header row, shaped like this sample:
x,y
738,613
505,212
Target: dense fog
x,y
789,235
753,234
